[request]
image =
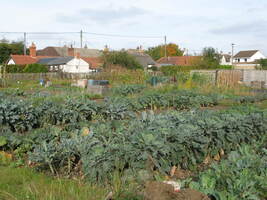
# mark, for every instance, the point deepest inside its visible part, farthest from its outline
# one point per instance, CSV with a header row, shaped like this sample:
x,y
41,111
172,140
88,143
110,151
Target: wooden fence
x,y
47,76
229,77
220,77
234,77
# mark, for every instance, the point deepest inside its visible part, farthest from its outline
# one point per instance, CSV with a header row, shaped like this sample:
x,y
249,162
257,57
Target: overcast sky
x,y
193,24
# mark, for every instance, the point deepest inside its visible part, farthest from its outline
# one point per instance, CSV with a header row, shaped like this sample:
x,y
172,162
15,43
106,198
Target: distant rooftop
x,y
245,54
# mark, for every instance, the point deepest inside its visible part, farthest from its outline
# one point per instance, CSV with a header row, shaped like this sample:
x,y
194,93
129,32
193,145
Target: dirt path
x,y
162,191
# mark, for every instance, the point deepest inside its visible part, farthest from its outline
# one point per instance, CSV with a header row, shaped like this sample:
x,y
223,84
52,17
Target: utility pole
x,y
232,57
25,45
165,46
81,37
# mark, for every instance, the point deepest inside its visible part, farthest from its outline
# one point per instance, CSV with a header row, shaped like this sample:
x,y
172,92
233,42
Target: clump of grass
x,y
23,183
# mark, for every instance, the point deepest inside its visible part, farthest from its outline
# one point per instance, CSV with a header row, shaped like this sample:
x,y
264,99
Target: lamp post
x,y
232,57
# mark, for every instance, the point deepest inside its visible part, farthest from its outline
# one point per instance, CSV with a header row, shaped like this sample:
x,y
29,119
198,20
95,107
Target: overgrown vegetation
x,y
15,68
263,64
121,58
35,68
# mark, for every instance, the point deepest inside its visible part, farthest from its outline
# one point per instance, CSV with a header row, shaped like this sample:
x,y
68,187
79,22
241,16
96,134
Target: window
x,y
238,60
246,59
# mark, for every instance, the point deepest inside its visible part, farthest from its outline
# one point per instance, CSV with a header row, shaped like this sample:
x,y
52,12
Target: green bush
x,y
15,68
123,59
263,64
174,70
35,68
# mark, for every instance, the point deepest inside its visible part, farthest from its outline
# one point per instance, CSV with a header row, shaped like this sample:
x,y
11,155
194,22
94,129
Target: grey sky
x,y
193,24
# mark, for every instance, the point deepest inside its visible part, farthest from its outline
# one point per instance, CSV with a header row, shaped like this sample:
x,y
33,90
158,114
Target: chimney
x,y
78,55
71,51
33,50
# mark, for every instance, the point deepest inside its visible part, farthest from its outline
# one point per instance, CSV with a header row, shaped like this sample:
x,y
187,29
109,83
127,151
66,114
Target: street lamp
x,y
232,59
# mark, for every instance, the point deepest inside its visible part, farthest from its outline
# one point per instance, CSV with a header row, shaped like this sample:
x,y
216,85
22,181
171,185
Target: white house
x,y
247,59
226,59
66,64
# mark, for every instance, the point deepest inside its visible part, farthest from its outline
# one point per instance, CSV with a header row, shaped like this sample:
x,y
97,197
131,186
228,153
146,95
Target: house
x,y
144,59
25,59
247,59
226,59
140,56
179,60
94,63
71,63
68,51
67,64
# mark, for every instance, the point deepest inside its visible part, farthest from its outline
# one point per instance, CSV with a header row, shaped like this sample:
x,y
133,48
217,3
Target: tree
x,y
121,58
15,68
263,63
159,51
35,68
7,48
210,58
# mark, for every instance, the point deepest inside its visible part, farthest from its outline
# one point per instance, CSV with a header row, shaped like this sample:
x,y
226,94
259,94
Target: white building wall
x,y
76,65
257,56
224,62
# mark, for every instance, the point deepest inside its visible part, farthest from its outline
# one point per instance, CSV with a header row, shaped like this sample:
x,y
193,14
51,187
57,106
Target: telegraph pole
x,y
165,46
232,59
25,45
81,37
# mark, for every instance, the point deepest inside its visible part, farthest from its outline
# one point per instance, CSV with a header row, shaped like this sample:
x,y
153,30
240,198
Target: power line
x,y
128,36
89,33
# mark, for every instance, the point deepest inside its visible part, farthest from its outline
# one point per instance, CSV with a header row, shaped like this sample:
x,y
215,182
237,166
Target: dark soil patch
x,y
162,191
182,174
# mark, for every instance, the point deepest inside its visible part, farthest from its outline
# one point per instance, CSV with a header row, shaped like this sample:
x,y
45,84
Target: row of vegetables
x,y
242,175
22,115
151,143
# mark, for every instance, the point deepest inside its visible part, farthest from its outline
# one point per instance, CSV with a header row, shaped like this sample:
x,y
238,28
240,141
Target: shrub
x,y
15,68
263,64
123,59
35,68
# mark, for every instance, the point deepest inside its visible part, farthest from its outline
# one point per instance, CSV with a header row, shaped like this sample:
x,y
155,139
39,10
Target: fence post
x,y
216,77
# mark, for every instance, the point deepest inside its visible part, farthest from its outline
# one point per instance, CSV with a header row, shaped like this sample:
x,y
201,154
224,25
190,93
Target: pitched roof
x,y
245,54
179,60
227,57
93,62
25,59
55,61
63,51
143,59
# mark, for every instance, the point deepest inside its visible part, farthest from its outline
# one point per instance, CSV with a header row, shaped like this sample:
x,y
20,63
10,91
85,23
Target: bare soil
x,y
182,174
162,191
